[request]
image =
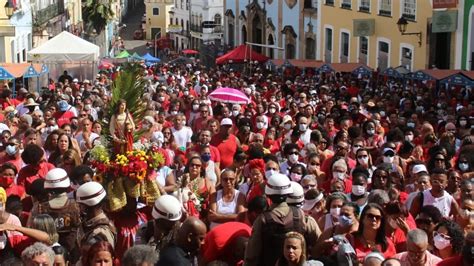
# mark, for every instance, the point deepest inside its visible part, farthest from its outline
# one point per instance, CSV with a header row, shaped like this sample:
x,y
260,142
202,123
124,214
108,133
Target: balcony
x,y
346,5
46,14
200,29
365,9
386,13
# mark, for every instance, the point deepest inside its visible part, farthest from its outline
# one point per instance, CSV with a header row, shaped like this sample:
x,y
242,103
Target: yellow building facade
x,y
366,31
157,18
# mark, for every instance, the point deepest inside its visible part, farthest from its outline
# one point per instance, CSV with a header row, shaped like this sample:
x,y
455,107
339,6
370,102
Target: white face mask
x,y
293,158
287,126
272,110
363,160
463,166
235,112
371,132
302,127
358,190
441,243
387,159
269,173
335,212
195,107
462,123
409,138
174,112
339,175
260,125
295,177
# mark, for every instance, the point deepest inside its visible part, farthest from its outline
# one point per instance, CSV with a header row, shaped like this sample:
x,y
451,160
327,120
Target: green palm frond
x,y
130,86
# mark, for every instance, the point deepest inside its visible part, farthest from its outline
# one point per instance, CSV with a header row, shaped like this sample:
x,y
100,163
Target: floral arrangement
x,y
132,173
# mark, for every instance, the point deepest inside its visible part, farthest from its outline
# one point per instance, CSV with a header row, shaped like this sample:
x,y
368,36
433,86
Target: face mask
x,y
5,181
339,175
287,126
272,110
293,158
363,160
392,223
269,173
441,243
235,113
387,159
302,127
335,212
355,149
186,93
52,128
11,150
195,107
295,177
358,190
409,138
88,106
463,166
345,221
205,157
174,112
161,98
371,132
260,125
462,123
410,124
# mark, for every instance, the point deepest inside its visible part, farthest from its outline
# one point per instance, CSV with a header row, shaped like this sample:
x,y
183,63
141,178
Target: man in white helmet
x,y
269,228
64,211
95,225
161,231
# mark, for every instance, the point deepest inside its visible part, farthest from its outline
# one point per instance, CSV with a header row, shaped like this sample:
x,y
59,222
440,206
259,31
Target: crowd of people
x,y
317,169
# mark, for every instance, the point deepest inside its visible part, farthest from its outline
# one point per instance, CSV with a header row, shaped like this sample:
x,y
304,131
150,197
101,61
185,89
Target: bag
x,y
422,198
274,230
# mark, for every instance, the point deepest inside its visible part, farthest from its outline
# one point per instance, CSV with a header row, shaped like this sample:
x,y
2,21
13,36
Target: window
x,y
310,48
385,8
363,50
364,6
290,51
328,52
177,22
347,4
171,21
344,53
330,2
406,58
218,19
383,53
156,11
409,9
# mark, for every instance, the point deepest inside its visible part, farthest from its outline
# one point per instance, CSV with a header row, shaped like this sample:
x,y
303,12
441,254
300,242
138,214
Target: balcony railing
x,y
346,5
216,29
383,12
364,9
45,14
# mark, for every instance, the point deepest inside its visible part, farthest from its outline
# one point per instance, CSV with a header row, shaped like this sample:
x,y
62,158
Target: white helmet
x,y
57,178
90,193
278,184
297,196
168,208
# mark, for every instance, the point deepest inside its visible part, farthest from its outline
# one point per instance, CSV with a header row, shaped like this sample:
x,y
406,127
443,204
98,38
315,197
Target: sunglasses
x,y
294,152
423,221
371,216
195,165
309,186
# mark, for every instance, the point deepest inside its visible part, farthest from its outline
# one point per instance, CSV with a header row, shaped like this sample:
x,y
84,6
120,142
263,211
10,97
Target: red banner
x,y
445,3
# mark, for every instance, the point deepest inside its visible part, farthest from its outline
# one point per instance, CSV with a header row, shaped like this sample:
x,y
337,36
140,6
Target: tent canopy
x,y
123,54
149,58
17,70
65,47
240,54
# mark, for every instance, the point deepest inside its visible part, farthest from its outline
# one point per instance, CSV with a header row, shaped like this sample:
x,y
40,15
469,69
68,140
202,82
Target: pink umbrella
x,y
106,65
229,95
190,51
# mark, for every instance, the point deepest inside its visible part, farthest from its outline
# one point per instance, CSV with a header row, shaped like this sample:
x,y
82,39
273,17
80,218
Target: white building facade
x,y
179,24
207,19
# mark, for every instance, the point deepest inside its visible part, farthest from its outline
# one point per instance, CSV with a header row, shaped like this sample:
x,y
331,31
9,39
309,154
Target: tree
x,y
96,14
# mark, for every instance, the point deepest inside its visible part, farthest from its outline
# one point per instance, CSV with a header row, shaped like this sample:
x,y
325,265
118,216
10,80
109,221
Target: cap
x,y
23,90
75,80
297,196
149,119
309,204
90,193
86,81
419,168
30,102
388,150
57,178
226,122
286,119
167,207
63,106
278,184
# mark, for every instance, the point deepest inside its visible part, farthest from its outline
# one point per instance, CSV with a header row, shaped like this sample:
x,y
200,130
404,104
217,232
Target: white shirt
x,y
82,142
183,136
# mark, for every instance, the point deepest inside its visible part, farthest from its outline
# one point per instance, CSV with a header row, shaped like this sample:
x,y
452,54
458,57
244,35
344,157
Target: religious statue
x,y
121,129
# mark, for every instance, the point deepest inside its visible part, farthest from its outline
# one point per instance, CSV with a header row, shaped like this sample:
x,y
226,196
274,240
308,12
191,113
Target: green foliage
x,y
130,86
97,14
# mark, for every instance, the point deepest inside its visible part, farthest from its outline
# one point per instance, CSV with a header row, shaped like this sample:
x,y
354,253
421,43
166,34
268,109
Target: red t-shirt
x,y
63,117
227,148
218,243
362,251
215,154
457,260
30,173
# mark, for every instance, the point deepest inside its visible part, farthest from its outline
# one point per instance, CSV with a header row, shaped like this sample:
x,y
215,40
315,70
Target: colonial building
x,y
289,25
372,32
179,24
206,22
466,9
15,30
157,18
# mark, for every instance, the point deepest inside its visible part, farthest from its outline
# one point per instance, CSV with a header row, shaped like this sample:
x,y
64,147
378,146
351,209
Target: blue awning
x,y
5,75
458,80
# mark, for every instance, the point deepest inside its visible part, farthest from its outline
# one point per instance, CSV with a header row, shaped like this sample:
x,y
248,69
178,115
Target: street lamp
x,y
49,29
8,9
156,35
402,24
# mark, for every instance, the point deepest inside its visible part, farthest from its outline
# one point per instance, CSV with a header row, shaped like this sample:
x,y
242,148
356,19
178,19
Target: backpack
x,y
346,255
274,229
